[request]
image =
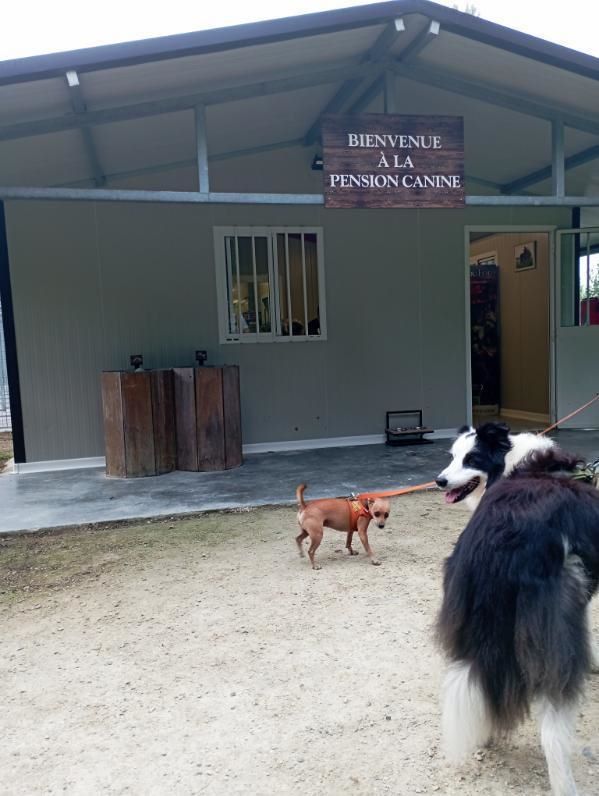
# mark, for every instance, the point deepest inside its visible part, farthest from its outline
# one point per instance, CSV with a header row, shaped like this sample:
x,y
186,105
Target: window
x,y
270,284
579,254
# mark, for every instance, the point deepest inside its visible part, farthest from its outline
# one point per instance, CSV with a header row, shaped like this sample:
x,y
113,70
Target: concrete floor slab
x,y
55,499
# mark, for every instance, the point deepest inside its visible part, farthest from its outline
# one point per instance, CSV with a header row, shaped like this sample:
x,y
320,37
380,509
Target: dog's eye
x,y
386,514
377,513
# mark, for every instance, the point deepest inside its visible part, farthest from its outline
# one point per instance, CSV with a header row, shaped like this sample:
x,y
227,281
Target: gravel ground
x,y
204,656
5,448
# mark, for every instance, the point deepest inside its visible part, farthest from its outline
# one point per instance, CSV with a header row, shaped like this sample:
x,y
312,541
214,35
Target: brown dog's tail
x,y
299,494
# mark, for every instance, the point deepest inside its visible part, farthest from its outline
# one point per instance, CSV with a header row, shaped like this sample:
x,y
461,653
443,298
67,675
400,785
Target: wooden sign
x,y
387,160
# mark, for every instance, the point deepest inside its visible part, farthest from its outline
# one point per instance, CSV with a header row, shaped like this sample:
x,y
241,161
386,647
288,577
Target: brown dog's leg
x,y
299,539
364,539
314,530
348,546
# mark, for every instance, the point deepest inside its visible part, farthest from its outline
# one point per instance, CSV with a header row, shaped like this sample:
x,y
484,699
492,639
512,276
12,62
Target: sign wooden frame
x,y
391,160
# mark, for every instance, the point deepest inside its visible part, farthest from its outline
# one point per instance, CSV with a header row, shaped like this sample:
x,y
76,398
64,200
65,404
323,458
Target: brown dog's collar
x,y
357,509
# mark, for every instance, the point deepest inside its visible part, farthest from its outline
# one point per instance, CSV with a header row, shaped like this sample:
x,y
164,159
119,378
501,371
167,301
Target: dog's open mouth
x,y
455,495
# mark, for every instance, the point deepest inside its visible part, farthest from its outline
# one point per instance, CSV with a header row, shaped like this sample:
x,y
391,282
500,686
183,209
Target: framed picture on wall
x,y
525,256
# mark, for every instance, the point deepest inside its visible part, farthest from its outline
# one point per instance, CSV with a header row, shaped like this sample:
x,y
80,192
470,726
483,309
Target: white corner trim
x,y
313,444
332,442
55,465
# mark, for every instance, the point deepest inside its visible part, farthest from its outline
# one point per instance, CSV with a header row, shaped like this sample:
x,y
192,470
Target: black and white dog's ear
x,y
463,430
495,435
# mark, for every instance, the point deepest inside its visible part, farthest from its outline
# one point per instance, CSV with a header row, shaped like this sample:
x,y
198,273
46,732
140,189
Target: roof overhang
x,y
126,115
41,67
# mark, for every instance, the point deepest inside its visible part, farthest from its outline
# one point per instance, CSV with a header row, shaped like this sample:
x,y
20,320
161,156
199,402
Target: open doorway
x,y
509,327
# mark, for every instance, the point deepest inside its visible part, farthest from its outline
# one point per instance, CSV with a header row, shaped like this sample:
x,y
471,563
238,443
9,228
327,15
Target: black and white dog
x,y
481,456
514,621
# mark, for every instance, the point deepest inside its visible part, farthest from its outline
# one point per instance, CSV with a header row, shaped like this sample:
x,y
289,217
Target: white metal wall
x,y
93,284
5,421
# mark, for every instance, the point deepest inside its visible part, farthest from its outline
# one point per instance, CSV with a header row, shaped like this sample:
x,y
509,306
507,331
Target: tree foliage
x,y
469,8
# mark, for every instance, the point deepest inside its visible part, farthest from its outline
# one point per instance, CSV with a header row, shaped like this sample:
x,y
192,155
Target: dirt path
x,y
203,656
5,448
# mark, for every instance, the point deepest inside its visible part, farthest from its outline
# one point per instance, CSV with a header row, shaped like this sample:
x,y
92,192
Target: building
x,y
5,423
164,196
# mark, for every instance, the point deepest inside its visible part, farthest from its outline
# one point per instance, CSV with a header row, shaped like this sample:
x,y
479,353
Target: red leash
x,y
419,487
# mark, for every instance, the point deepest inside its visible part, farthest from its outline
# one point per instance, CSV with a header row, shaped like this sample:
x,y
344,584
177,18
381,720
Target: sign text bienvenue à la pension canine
x,y
387,160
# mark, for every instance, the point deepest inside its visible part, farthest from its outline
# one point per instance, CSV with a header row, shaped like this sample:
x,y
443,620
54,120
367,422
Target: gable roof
x,y
266,84
40,67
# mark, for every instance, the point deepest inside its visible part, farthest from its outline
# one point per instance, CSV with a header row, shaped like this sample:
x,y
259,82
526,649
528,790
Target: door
x,y
577,325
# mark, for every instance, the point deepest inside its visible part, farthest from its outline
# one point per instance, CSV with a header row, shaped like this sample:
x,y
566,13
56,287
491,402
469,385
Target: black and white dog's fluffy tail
x,y
514,622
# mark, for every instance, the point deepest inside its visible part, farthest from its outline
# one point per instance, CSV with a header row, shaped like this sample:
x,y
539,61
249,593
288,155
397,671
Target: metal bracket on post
x,y
202,149
378,53
558,161
79,107
422,40
407,55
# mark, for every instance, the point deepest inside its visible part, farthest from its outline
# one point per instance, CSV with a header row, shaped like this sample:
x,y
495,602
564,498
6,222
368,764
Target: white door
x,y
577,325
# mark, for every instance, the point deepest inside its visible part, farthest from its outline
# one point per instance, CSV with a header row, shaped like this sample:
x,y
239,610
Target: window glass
x,y
283,284
271,284
579,284
262,284
312,302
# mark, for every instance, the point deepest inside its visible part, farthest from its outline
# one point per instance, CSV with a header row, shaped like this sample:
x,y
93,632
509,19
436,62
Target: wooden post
x,y
208,420
139,423
232,417
185,419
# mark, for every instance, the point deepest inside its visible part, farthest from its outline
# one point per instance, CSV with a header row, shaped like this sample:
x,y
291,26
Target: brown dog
x,y
347,515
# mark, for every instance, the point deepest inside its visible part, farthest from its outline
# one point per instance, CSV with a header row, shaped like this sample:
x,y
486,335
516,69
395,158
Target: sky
x,y
32,27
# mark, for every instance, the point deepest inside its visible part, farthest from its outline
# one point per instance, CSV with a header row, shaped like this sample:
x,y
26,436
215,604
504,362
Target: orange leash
x,y
567,417
393,492
419,487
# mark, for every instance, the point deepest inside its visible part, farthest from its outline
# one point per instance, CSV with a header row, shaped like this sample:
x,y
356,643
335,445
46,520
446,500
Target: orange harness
x,y
356,510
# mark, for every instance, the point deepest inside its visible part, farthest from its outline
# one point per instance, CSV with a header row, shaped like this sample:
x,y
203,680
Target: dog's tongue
x,y
452,496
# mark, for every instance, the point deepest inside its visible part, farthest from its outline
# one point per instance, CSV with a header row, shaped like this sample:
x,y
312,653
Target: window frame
x,y
222,295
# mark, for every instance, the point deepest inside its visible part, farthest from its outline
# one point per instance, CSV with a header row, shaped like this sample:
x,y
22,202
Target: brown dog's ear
x,y
370,501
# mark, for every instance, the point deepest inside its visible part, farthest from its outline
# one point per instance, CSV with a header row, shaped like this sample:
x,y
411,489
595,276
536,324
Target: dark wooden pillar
x,y
208,420
139,423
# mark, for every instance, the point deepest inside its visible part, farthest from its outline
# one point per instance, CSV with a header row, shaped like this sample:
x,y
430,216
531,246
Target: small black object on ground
x,y
400,431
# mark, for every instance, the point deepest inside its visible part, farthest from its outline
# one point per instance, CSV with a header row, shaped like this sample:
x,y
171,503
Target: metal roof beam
x,y
533,201
413,49
160,197
79,107
379,50
230,92
558,168
482,181
195,197
527,104
202,149
389,93
422,40
189,162
540,175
